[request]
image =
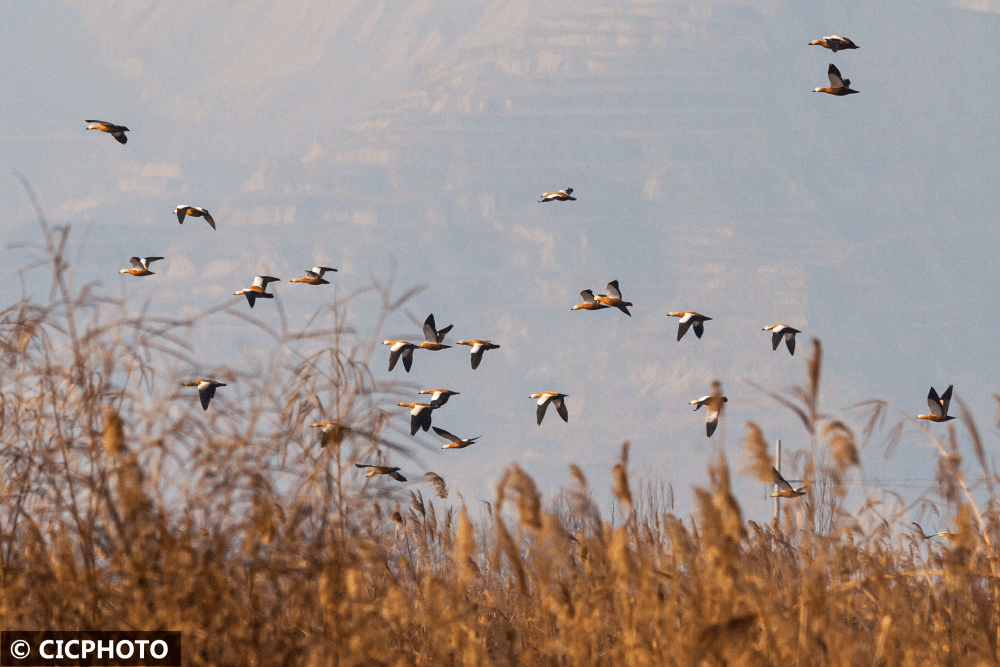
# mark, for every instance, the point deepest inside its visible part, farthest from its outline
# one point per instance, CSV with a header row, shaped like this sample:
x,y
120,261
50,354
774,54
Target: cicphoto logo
x,y
112,649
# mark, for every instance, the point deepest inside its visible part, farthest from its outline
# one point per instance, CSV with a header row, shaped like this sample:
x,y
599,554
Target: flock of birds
x,y
420,412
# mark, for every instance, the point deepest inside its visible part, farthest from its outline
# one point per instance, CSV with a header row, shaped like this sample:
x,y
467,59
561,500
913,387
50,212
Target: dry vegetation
x,y
119,511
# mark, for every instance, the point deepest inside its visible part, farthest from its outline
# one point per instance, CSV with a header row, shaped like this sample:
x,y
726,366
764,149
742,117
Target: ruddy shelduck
x,y
455,441
946,534
382,470
439,396
331,432
838,85
420,416
314,276
713,407
779,331
938,405
116,131
558,195
689,318
258,290
589,301
140,266
834,43
400,348
433,337
556,399
206,390
784,490
194,212
479,348
613,299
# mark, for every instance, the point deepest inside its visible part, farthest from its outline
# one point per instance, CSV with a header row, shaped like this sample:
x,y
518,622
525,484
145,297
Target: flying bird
x,y
140,266
613,299
420,416
838,85
938,405
834,43
314,276
331,432
779,331
785,490
116,131
589,301
556,399
258,290
479,348
382,470
455,441
713,404
206,390
194,212
689,318
433,337
558,195
439,396
946,534
400,348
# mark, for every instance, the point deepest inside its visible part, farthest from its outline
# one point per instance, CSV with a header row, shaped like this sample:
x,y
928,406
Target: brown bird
x,y
420,416
779,331
938,406
439,396
455,441
433,337
116,131
258,290
556,399
206,390
330,432
713,403
613,298
140,266
838,85
314,276
382,470
400,348
194,212
479,348
558,195
834,43
784,490
589,301
689,318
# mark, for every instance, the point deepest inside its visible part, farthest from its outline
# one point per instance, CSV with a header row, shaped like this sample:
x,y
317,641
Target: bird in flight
x,y
455,442
713,403
613,299
838,85
779,331
382,470
834,43
206,390
938,405
556,399
479,348
589,301
116,131
689,318
558,195
194,212
258,290
140,266
439,396
785,490
420,416
314,276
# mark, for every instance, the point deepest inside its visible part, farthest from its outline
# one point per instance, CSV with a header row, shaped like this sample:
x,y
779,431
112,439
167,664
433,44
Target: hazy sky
x,y
415,139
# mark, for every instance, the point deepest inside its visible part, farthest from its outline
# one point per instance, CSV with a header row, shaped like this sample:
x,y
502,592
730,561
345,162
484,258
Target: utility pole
x,y
776,520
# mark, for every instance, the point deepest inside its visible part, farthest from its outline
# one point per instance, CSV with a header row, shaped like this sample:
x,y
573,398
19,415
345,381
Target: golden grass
x,y
121,512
